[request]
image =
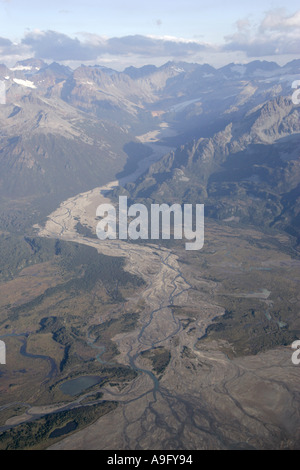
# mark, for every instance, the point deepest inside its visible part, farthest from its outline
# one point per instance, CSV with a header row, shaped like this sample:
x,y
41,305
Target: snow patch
x,y
177,69
21,67
26,83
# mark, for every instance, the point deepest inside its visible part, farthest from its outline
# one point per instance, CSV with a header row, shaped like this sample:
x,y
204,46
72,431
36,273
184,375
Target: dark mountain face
x,y
249,172
48,147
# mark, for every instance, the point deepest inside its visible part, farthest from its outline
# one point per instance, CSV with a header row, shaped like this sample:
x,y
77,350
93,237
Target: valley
x,y
133,345
205,388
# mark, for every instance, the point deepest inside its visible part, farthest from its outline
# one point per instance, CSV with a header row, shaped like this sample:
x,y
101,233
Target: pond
x,y
69,427
76,386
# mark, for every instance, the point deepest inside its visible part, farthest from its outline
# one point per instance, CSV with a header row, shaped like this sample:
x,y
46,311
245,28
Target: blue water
x,y
76,386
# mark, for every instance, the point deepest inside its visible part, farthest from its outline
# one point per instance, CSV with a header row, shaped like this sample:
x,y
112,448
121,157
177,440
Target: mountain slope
x,y
249,172
49,147
65,131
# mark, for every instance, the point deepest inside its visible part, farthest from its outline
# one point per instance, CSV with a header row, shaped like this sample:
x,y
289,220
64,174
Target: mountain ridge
x,y
65,131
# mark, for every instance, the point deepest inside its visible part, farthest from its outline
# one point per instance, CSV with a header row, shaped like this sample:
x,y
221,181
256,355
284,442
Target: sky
x,y
118,33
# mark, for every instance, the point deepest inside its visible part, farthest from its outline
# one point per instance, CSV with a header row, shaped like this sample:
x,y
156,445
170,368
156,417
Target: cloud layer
x,y
58,46
277,36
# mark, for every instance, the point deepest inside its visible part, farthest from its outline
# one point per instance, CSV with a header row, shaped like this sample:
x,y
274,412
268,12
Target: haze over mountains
x,y
64,131
249,172
45,100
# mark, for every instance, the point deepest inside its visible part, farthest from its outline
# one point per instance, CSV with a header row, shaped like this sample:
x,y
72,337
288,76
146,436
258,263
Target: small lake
x,y
69,427
76,386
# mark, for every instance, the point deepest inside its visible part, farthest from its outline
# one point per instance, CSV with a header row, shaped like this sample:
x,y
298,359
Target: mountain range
x,y
249,172
235,130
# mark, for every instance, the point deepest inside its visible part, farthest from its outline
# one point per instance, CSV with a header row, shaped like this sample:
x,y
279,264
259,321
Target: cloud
x,y
276,20
58,46
151,46
277,34
275,37
5,42
10,52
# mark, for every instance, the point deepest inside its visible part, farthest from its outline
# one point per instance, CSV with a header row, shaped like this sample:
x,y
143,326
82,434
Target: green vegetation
x,y
159,357
110,373
84,230
19,216
97,267
248,330
87,269
43,432
91,398
56,292
19,252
